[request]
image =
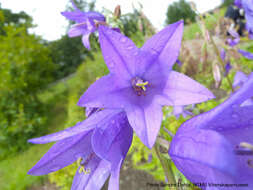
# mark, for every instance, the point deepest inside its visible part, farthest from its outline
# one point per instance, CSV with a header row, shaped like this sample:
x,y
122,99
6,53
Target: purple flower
x,y
246,54
99,144
247,5
217,146
141,80
238,3
235,38
86,23
228,67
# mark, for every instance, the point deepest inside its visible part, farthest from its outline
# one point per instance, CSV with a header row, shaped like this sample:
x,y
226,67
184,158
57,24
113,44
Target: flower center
x,y
139,85
81,162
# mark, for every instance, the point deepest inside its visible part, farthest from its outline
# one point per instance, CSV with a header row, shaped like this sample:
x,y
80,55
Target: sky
x,y
51,25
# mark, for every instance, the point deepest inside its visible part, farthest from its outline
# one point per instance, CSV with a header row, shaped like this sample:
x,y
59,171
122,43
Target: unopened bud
x,y
216,75
117,12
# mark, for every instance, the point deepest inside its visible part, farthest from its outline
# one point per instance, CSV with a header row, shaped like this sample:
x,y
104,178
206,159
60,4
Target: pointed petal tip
x,y
32,172
80,103
63,13
150,145
36,141
181,21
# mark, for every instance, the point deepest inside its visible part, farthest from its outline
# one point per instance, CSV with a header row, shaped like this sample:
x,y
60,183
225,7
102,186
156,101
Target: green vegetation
x,y
25,70
13,173
180,10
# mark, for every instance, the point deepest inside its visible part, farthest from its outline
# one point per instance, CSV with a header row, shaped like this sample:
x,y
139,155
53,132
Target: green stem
x,y
166,168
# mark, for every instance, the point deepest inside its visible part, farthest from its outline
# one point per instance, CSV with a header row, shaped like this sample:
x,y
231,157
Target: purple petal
x,y
89,111
114,179
239,79
85,40
233,33
86,125
119,52
203,156
228,67
146,121
232,42
91,25
182,90
100,170
95,16
116,29
78,30
251,34
112,142
166,44
79,16
106,135
238,3
108,92
248,102
242,133
228,115
63,153
246,54
234,124
76,16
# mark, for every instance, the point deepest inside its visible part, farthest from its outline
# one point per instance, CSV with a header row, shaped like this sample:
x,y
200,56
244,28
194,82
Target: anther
x,y
142,85
139,86
246,145
81,163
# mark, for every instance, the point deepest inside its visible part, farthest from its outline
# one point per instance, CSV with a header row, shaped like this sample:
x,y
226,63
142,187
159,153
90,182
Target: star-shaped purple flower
x,y
217,146
86,23
247,5
99,144
141,81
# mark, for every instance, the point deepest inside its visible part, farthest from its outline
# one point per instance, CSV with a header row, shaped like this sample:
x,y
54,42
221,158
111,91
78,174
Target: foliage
x,y
13,174
226,3
25,70
15,19
180,10
67,54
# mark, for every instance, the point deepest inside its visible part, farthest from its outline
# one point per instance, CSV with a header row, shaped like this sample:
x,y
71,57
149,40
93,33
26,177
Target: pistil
x,y
139,86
